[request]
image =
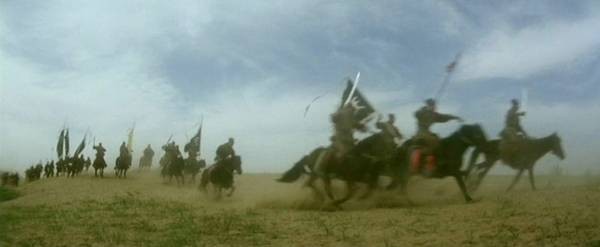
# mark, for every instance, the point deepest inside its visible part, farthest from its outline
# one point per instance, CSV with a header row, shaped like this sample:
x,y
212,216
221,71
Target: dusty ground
x,y
144,211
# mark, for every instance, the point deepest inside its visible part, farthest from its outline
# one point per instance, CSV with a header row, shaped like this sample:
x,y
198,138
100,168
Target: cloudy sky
x,y
251,68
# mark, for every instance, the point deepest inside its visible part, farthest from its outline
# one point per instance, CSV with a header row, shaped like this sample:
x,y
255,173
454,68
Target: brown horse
x,y
524,156
220,175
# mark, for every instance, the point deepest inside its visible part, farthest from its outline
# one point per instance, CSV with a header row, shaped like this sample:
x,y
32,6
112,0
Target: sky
x,y
249,69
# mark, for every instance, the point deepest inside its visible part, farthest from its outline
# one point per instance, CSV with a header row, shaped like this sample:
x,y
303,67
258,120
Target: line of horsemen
x,y
425,154
172,163
354,161
69,166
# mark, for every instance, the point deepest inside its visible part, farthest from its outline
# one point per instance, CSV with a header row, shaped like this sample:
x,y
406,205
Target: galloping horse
x,y
449,156
122,164
99,165
220,175
363,163
172,165
523,157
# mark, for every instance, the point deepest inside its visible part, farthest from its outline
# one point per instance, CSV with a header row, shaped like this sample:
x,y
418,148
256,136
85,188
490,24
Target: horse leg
x,y
351,189
370,188
515,180
327,185
463,188
310,183
231,191
531,179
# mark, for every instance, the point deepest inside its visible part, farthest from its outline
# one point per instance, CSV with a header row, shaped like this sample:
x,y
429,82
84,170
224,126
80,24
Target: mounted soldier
x,y
512,136
99,162
512,128
225,150
426,140
148,152
123,162
146,159
123,151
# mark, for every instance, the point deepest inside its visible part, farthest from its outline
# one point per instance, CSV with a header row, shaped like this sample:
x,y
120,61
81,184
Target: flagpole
x,y
354,85
449,69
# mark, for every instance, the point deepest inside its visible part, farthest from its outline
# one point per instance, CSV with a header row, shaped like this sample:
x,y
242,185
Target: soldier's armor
x,y
100,151
513,134
426,117
224,150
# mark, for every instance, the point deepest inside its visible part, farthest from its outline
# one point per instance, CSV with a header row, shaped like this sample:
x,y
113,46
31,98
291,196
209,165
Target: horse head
x,y
473,134
237,164
557,146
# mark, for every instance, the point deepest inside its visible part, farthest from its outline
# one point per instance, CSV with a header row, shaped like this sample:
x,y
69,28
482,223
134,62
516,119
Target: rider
x,y
123,150
344,124
426,117
192,149
390,122
100,151
148,152
513,130
225,150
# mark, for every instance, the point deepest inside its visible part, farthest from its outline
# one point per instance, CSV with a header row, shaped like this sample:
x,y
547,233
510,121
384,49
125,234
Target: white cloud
x,y
517,53
98,65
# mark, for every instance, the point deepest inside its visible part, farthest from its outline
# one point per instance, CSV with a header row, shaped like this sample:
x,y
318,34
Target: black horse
x,y
99,165
364,163
122,164
220,175
448,155
172,165
524,156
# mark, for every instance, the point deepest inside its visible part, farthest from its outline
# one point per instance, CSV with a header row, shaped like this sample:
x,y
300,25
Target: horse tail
x,y
295,172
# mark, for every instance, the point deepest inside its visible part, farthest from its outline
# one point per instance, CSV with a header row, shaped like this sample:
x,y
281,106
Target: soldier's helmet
x,y
230,141
514,102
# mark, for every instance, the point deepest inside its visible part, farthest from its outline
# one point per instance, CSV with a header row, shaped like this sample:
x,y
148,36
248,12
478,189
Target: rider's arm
x,y
442,118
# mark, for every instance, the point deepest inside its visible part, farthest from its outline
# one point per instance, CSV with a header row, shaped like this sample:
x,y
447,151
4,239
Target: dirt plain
x,y
144,210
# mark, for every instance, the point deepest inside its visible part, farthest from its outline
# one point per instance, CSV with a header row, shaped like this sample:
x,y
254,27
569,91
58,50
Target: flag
x,y
363,108
67,143
130,140
450,67
59,145
194,144
80,147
